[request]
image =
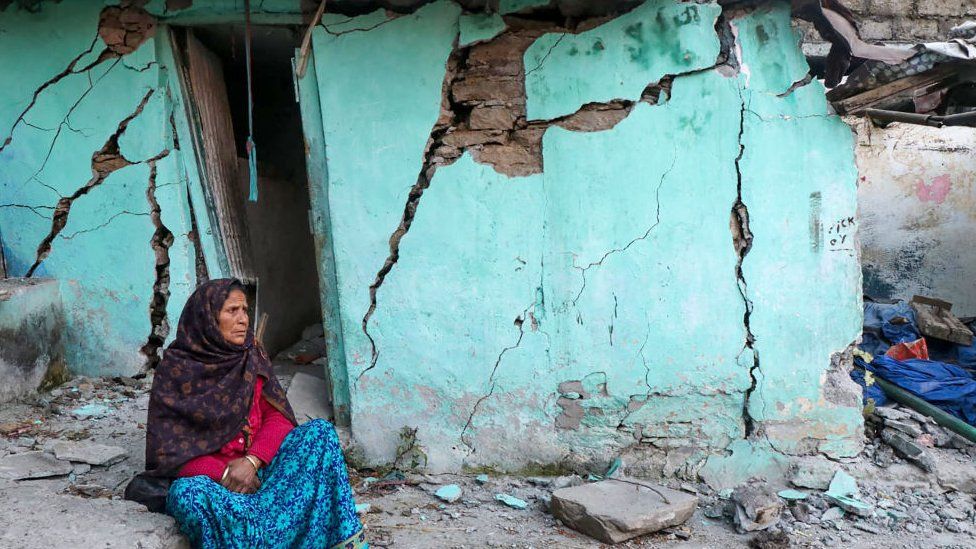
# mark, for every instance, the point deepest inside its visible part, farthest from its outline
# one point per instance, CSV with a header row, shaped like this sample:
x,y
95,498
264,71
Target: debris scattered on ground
x,y
311,347
89,452
35,464
512,501
616,510
757,506
450,493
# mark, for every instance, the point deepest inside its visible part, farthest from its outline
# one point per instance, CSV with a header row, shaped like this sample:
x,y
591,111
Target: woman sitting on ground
x,y
219,420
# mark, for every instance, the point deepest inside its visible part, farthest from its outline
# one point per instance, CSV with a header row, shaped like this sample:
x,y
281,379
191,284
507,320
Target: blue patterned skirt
x,y
305,500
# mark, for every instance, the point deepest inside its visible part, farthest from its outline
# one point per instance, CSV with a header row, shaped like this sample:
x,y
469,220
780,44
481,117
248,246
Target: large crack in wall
x,y
104,162
483,113
161,241
742,242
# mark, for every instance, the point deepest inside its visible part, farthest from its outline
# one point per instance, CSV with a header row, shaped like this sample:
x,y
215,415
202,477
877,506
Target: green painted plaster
x,y
479,27
102,257
377,114
805,297
615,268
620,58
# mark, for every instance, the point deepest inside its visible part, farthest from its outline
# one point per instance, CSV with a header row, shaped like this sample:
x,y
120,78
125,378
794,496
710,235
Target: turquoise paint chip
x,y
511,501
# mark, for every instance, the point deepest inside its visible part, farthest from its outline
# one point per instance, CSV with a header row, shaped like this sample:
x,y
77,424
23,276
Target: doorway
x,y
272,236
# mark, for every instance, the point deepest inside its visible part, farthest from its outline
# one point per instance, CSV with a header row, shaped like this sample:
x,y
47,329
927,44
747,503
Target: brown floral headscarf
x,y
203,388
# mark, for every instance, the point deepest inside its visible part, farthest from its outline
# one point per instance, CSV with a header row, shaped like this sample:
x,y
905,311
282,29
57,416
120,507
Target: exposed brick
x,y
492,118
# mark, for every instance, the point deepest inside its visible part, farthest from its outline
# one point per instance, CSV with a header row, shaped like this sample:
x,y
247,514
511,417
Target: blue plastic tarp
x,y
886,325
872,392
944,385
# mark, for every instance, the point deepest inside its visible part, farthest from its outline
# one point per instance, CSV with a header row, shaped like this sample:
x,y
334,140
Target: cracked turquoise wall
x,y
589,311
594,310
102,257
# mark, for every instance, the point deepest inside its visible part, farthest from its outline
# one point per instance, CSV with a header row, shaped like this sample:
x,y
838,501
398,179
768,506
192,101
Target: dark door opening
x,y
281,247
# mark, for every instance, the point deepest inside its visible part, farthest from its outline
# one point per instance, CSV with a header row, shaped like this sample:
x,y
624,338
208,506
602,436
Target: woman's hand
x,y
242,477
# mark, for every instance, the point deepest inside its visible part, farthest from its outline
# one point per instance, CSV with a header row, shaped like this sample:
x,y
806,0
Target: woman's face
x,y
232,319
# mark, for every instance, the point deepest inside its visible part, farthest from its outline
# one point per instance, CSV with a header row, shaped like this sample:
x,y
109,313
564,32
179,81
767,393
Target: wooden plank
x,y
208,236
218,152
318,188
904,88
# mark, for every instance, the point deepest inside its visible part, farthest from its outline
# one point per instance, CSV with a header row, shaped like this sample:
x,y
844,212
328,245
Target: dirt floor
x,y
81,506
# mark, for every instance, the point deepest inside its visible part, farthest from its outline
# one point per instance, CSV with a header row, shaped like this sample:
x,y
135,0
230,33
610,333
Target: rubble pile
x,y
44,446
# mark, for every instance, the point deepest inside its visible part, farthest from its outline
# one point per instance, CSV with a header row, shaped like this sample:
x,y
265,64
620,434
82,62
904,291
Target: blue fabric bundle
x,y
945,385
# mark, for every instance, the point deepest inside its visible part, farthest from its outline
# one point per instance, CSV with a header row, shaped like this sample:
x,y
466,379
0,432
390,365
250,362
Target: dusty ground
x,y
85,509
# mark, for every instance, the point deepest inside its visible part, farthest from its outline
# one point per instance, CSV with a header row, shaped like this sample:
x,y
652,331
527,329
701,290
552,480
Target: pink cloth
x,y
270,427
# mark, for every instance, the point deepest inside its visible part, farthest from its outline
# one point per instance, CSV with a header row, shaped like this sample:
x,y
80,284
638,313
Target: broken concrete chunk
x,y
934,319
309,396
891,413
844,493
757,507
833,514
613,511
908,449
89,452
30,465
450,493
511,501
792,495
91,411
814,474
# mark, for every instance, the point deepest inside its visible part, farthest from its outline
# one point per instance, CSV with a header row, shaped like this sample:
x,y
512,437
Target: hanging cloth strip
x,y
252,152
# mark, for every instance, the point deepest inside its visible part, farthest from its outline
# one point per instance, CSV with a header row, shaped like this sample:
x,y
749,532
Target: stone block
x,y
31,326
613,511
757,507
89,452
30,465
812,473
309,397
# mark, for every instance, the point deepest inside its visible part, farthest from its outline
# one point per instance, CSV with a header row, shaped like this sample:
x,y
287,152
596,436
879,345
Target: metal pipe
x,y
935,121
940,416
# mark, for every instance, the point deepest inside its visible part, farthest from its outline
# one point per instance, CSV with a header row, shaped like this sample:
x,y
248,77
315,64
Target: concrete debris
x,y
91,411
512,501
813,473
844,493
792,495
613,511
934,319
833,514
450,493
908,449
309,397
28,465
757,507
89,452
